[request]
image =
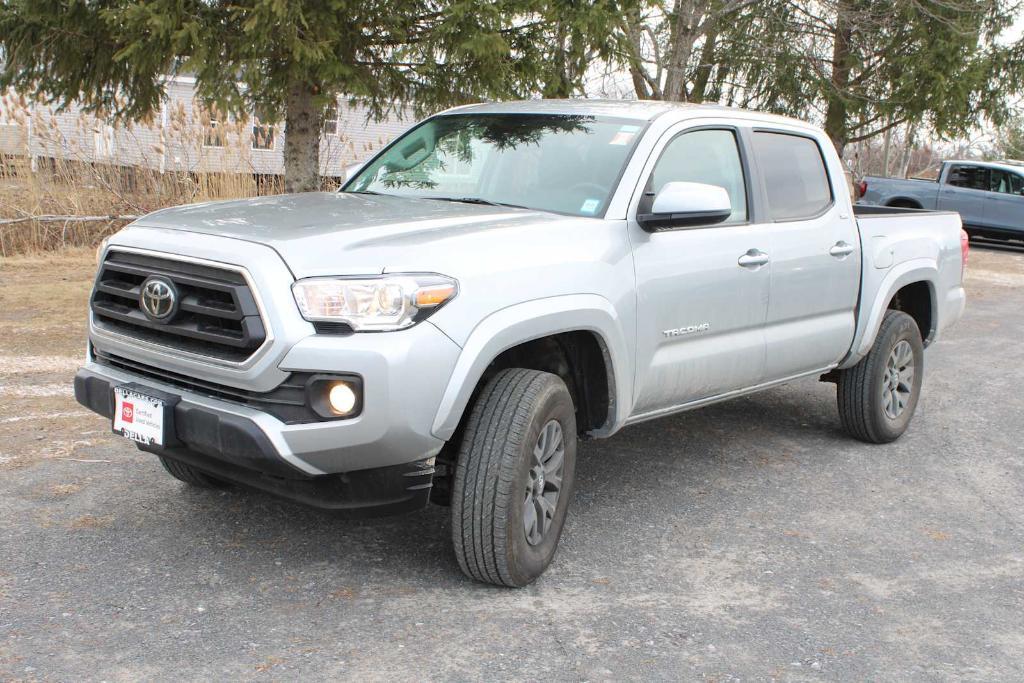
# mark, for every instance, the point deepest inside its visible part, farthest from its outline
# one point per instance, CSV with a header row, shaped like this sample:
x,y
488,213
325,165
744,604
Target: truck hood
x,y
323,233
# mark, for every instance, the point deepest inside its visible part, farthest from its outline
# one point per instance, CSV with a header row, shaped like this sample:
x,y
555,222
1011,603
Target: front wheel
x,y
877,396
514,477
190,475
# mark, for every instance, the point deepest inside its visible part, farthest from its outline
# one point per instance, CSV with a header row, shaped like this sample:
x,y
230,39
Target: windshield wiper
x,y
465,200
477,200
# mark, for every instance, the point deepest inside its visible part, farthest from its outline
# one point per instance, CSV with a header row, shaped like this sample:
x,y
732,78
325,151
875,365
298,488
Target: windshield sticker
x,y
625,135
590,206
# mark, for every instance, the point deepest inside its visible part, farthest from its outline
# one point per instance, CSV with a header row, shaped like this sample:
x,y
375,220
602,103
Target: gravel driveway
x,y
749,540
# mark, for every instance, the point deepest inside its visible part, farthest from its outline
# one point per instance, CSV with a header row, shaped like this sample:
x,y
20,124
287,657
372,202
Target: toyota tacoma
x,y
499,283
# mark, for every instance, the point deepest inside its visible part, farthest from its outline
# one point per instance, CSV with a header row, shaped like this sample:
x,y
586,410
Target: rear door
x,y
964,190
702,291
1004,208
816,256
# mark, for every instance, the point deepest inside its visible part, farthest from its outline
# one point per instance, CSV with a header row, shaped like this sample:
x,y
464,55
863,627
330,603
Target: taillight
x,y
965,246
863,187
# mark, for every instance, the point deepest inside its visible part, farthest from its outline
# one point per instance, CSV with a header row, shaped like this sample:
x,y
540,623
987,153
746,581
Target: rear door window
x,y
794,174
969,177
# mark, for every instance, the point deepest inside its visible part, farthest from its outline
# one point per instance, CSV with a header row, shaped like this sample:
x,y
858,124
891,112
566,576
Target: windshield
x,y
562,163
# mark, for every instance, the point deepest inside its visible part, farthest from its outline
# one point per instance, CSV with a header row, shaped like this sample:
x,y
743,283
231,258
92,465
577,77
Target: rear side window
x,y
794,175
970,177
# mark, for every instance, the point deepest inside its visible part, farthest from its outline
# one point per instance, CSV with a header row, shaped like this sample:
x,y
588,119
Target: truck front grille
x,y
213,312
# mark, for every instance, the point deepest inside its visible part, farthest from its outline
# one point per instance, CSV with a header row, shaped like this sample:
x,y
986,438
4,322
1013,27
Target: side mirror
x,y
679,205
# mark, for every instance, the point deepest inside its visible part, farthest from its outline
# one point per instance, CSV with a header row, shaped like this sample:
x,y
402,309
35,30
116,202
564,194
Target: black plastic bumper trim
x,y
234,448
377,492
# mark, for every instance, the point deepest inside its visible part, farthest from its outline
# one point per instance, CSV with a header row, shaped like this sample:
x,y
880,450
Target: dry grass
x,y
43,302
60,175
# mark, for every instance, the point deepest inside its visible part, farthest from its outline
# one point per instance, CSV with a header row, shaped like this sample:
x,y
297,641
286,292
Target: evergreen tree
x,y
1010,139
858,67
290,58
869,66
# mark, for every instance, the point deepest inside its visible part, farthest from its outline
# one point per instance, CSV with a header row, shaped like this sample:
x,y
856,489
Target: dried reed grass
x,y
61,191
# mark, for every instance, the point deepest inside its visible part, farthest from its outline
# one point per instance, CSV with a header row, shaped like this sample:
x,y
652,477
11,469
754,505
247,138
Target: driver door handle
x,y
753,259
841,249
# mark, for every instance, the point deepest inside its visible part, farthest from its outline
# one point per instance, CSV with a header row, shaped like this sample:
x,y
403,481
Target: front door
x,y
816,256
1004,206
963,190
702,291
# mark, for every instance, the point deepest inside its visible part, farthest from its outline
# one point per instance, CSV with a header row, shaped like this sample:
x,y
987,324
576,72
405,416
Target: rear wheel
x,y
514,477
191,475
903,204
877,396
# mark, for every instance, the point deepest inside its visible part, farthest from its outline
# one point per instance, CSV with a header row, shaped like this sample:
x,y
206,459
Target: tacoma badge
x,y
689,329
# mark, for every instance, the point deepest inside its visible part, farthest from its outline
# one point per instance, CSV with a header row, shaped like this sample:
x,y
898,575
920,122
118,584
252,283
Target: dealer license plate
x,y
138,417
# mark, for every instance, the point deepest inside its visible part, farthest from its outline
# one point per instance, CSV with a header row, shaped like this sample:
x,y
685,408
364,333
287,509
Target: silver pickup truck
x,y
500,282
989,196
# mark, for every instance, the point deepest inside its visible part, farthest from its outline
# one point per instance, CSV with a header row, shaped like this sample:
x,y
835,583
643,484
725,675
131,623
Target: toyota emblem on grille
x,y
158,299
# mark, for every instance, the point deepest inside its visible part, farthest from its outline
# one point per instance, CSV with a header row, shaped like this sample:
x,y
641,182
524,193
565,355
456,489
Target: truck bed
x,y
907,245
872,210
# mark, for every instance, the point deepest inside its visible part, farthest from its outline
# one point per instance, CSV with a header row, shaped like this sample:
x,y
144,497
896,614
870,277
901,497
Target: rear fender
x,y
873,310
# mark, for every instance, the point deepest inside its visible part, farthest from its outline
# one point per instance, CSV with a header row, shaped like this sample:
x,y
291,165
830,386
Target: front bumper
x,y
378,463
235,448
403,376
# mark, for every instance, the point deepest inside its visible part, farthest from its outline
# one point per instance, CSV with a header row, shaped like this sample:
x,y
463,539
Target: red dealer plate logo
x,y
138,416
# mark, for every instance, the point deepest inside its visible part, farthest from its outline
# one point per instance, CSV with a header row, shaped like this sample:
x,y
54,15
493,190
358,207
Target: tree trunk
x,y
639,84
635,39
835,115
886,150
301,140
685,32
908,150
707,62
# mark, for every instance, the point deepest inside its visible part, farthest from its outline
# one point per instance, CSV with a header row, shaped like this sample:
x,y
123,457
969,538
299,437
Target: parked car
x,y
989,196
500,282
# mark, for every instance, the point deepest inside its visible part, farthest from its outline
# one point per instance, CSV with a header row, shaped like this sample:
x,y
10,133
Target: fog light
x,y
335,397
342,398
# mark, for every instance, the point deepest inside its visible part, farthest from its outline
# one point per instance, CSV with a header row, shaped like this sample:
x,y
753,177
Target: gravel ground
x,y
749,540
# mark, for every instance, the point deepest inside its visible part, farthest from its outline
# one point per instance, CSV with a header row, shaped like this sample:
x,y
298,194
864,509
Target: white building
x,y
186,137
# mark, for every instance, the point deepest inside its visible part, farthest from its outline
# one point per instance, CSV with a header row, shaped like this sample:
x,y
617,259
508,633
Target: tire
x,y
868,407
496,477
191,475
903,204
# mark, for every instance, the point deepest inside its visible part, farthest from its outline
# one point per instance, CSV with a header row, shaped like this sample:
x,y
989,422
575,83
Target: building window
x,y
216,131
262,133
103,141
331,119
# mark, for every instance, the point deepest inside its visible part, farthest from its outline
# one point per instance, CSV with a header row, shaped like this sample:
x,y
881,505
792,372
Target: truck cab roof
x,y
1003,165
644,110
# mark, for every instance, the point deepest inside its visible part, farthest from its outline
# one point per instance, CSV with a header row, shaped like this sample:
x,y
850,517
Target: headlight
x,y
387,302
